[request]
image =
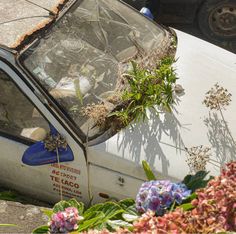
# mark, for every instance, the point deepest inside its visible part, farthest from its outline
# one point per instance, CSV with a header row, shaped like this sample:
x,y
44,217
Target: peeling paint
x,y
60,5
42,26
29,36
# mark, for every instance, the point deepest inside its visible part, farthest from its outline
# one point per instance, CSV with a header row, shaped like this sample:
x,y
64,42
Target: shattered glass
x,y
81,59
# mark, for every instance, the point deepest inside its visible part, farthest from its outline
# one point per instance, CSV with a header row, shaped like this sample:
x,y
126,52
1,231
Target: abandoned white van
x,y
58,58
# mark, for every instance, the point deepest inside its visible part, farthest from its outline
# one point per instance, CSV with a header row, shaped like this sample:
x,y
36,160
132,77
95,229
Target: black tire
x,y
217,19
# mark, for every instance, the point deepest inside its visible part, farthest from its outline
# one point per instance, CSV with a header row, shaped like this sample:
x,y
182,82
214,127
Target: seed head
x,y
197,158
217,97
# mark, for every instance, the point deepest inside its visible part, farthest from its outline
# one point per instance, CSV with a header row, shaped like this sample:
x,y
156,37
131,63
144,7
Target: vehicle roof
x,y
21,18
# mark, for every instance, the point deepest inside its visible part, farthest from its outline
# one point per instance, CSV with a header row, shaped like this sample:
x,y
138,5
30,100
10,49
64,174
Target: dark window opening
x,y
18,116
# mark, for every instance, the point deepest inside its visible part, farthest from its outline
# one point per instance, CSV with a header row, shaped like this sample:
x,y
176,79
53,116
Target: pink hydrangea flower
x,y
65,221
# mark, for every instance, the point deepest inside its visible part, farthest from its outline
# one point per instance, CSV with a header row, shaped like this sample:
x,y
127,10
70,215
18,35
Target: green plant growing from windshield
x,y
148,89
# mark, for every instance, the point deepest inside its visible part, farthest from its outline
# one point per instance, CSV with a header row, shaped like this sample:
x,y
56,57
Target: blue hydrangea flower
x,y
158,195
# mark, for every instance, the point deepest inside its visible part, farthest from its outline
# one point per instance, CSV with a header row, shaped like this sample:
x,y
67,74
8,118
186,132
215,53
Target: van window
x,y
18,117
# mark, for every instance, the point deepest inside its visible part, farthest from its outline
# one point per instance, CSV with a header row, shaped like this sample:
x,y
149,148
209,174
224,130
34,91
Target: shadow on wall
x,y
221,141
147,137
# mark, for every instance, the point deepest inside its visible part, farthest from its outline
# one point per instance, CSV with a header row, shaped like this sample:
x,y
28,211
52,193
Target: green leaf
x,y
110,209
91,222
41,230
125,203
186,207
8,196
187,179
189,198
131,210
194,182
8,225
129,217
60,206
47,212
134,65
93,208
91,215
147,88
138,96
227,232
115,224
77,90
149,174
12,196
78,205
101,226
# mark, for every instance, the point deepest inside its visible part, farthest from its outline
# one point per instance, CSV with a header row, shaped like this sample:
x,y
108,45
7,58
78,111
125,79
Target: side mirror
x,y
145,11
54,147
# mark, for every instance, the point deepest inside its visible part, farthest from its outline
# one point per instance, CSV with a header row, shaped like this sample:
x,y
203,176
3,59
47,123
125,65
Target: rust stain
x,y
57,8
45,24
22,41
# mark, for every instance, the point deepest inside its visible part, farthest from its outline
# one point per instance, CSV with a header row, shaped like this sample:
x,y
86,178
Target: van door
x,y
24,122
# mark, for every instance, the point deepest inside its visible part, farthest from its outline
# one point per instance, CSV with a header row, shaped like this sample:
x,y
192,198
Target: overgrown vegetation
x,y
213,210
148,89
13,196
71,215
161,197
10,195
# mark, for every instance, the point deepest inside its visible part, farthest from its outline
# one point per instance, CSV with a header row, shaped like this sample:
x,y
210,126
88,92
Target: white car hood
x,y
161,141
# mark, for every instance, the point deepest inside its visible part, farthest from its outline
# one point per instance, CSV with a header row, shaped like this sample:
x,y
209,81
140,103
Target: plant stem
x,y
214,164
226,125
213,160
88,168
59,166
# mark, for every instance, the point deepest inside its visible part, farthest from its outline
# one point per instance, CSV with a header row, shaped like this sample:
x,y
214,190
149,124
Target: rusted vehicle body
x,y
58,57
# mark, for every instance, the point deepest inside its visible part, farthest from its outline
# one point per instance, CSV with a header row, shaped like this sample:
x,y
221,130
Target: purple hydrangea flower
x,y
158,195
65,221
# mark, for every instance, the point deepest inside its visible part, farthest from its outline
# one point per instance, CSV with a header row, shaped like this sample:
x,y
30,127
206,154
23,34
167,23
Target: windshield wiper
x,y
35,4
24,18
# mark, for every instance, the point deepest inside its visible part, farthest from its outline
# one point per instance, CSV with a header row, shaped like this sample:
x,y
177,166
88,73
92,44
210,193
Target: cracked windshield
x,y
81,60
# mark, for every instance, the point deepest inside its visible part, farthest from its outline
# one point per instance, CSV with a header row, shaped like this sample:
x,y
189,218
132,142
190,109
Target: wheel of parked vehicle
x,y
217,19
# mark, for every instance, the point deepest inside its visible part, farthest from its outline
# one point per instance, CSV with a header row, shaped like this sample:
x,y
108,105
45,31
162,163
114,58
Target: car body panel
x,y
41,181
113,168
162,141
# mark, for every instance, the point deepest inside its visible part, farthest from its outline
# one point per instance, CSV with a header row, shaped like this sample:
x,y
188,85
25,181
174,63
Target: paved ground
x,y
26,217
23,211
